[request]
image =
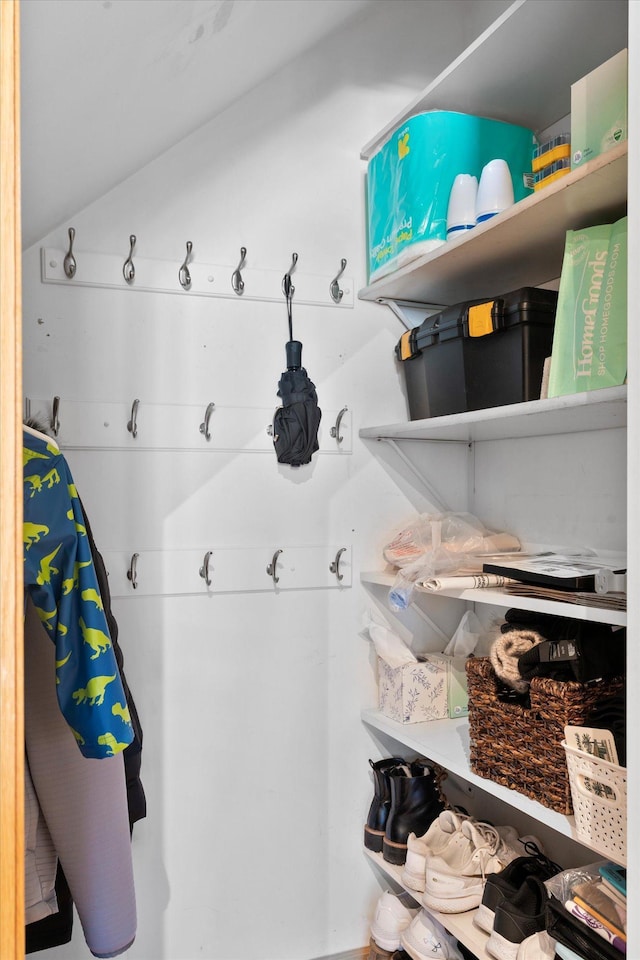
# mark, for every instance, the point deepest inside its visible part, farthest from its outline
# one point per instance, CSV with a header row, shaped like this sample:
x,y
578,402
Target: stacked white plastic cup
x,y
495,190
461,214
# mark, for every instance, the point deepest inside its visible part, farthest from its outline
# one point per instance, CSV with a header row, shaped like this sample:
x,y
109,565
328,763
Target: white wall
x,y
255,761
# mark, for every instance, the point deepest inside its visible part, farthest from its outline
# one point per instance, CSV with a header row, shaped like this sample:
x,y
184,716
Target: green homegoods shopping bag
x,y
590,334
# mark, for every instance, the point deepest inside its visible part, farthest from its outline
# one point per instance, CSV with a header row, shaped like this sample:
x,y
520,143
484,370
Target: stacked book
x,y
601,904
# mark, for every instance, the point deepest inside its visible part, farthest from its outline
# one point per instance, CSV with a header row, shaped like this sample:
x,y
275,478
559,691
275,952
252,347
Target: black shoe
x,y
381,804
504,885
518,919
416,801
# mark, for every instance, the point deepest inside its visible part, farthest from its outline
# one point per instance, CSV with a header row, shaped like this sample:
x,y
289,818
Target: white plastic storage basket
x,y
599,794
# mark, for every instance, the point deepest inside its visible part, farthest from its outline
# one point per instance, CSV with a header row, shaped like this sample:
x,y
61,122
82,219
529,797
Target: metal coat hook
x,y
128,269
55,420
335,431
271,569
69,262
204,426
271,428
132,425
334,287
334,566
287,287
236,277
204,569
132,572
183,273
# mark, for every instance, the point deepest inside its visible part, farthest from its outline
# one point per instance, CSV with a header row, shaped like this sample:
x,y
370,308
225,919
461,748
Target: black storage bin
x,y
478,354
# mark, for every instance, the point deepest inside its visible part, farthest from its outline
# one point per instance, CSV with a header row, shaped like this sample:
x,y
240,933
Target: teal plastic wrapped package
x,y
410,178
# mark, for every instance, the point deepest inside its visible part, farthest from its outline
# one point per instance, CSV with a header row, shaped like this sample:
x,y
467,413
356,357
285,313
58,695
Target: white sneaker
x,y
540,946
393,914
454,881
430,844
425,938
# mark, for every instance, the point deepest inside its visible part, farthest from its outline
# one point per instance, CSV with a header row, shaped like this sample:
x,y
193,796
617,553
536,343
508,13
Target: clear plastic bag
x,y
435,544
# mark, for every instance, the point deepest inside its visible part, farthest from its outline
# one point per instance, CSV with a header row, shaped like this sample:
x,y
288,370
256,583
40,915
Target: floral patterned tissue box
x,y
415,692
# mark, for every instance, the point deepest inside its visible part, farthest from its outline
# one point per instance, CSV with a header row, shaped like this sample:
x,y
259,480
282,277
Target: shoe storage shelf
x,y
520,70
461,925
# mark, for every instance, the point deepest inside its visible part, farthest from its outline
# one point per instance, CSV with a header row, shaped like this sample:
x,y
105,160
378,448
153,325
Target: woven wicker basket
x,y
522,748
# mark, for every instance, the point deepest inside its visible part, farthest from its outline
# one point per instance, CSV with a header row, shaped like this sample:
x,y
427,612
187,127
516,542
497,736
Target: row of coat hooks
x,y
205,572
204,427
70,267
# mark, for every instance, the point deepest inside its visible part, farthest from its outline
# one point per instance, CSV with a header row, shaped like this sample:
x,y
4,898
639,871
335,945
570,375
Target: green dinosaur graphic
x,y
73,493
93,596
61,663
46,616
46,570
94,691
82,530
121,710
33,532
97,640
81,740
32,455
36,484
74,581
51,478
109,740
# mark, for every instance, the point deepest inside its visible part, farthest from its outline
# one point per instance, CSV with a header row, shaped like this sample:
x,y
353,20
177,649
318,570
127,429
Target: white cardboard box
x,y
599,110
431,689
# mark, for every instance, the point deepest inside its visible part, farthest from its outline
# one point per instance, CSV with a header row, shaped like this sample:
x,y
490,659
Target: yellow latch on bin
x,y
481,319
406,350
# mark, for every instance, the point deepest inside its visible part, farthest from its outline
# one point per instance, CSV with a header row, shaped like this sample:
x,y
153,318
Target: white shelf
x,y
446,742
522,246
461,925
504,73
500,598
594,410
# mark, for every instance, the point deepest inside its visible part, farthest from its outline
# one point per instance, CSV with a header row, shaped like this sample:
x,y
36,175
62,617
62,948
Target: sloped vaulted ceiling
x,y
107,85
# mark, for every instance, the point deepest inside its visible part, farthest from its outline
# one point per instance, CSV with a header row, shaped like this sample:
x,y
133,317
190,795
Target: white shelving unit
x,y
520,70
521,246
446,742
500,598
461,925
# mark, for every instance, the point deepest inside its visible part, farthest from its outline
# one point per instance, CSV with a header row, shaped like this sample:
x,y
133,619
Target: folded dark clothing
x,y
610,713
593,652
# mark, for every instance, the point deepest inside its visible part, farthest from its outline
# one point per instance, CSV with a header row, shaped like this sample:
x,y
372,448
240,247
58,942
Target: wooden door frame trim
x,y
11,614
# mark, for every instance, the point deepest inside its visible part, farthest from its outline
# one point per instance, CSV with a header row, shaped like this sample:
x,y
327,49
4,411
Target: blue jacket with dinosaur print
x,y
60,577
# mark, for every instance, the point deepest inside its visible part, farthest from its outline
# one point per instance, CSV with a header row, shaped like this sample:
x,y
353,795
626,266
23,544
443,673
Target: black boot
x,y
381,804
416,801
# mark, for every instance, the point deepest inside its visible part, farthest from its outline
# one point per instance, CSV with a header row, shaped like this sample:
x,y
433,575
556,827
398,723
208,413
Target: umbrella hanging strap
x,y
289,290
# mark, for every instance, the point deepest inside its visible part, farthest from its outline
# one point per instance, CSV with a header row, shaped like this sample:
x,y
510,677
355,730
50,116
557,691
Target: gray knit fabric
x,y
504,653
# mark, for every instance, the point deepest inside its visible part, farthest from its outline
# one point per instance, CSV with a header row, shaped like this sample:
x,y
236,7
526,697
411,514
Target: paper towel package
x,y
409,180
599,110
431,689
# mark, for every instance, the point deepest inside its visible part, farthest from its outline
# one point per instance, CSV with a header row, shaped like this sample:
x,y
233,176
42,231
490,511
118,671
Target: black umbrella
x,y
296,422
